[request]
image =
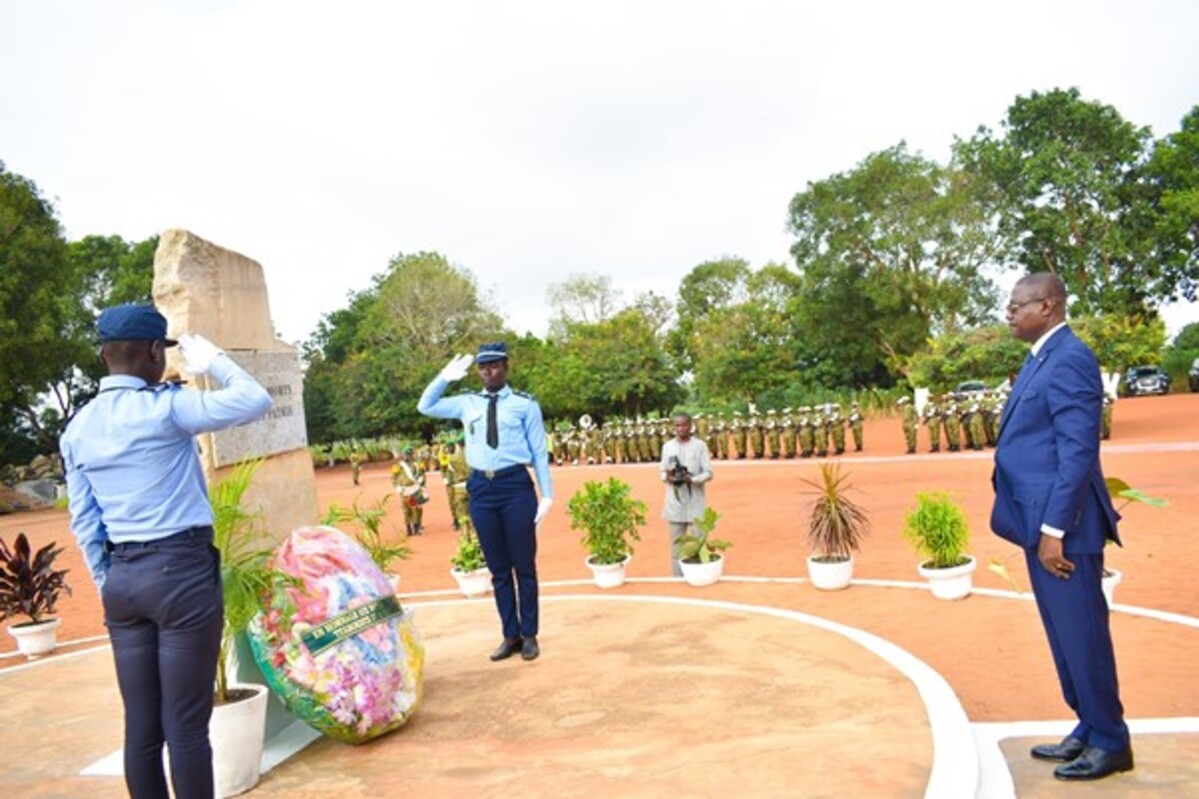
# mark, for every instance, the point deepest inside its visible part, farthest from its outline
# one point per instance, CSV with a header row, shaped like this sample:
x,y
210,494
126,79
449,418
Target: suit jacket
x,y
1047,457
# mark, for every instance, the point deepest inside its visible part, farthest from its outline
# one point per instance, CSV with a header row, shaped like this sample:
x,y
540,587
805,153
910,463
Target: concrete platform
x,y
635,695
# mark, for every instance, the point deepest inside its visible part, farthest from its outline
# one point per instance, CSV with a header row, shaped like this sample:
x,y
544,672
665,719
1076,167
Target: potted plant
x,y
835,530
29,587
368,522
238,724
608,517
469,568
1121,490
938,529
700,555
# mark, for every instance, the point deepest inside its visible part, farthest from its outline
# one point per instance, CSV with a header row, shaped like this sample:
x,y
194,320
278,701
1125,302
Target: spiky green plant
x,y
368,522
246,576
609,518
701,548
938,529
838,524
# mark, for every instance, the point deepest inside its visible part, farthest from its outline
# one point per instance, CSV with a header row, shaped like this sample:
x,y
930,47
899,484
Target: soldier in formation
x,y
932,423
908,413
856,424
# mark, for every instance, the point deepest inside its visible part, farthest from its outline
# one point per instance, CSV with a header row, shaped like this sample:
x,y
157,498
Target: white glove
x,y
198,353
456,369
543,507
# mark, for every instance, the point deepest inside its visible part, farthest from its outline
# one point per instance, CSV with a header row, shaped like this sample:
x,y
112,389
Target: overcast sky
x,y
527,141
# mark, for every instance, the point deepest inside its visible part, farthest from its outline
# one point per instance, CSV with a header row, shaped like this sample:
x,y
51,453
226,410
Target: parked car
x,y
1193,375
970,388
1146,380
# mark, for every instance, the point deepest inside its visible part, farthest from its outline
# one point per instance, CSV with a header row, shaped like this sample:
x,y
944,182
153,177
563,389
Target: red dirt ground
x,y
991,650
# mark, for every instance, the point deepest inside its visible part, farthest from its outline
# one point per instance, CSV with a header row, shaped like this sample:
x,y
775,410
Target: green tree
x,y
36,288
889,253
1069,172
1182,352
583,299
1171,213
367,364
743,349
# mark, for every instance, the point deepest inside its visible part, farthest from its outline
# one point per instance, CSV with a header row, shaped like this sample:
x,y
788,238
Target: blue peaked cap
x,y
492,351
132,322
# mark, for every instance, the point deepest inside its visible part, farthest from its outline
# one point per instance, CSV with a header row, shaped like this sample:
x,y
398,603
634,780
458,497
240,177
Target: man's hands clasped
x,y
457,368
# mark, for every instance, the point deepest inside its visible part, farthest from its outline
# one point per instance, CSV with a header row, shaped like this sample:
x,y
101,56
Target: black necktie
x,y
493,429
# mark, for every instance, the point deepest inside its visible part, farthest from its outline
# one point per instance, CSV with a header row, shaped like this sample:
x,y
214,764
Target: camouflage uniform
x,y
856,425
932,421
807,433
787,431
739,434
953,428
1105,421
770,434
757,443
409,480
909,423
837,427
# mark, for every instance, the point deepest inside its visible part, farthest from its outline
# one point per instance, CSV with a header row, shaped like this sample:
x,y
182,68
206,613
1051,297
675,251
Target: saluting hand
x,y
198,353
457,367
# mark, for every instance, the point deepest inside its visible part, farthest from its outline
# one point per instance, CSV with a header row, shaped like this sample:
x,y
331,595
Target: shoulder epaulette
x,y
524,394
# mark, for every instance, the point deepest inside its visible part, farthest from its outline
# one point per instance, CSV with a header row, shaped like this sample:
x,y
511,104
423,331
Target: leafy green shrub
x,y
938,529
701,548
469,556
608,517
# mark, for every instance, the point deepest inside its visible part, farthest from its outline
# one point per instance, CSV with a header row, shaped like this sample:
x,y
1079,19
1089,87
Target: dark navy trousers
x,y
502,509
164,611
1075,616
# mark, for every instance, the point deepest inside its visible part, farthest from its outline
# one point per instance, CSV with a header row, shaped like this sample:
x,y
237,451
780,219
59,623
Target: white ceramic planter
x,y
1111,579
608,575
237,731
700,574
830,575
952,583
35,640
474,583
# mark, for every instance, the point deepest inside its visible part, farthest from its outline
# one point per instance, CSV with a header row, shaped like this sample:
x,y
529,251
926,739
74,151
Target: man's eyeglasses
x,y
1012,307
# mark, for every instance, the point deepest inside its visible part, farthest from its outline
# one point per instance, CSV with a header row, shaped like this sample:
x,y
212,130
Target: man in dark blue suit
x,y
1051,500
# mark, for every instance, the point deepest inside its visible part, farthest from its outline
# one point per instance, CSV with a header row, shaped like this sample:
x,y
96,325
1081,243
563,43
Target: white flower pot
x,y
952,583
608,575
700,574
1111,578
829,575
474,583
237,730
394,579
35,640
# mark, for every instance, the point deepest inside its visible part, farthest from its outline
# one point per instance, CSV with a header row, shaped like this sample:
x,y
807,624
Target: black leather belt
x,y
203,533
491,475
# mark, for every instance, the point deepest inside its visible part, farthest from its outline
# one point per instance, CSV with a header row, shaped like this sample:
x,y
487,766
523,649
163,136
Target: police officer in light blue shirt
x,y
504,435
140,513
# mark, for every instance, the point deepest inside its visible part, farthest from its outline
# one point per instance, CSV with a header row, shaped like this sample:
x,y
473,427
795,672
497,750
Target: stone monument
x,y
220,294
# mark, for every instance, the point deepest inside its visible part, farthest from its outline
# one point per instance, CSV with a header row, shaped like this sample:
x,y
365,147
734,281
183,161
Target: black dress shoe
x,y
529,650
507,649
1095,764
1064,752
